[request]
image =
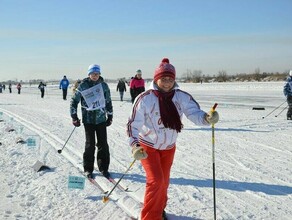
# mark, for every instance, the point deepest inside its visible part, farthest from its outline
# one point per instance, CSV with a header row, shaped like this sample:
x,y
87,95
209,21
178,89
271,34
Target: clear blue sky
x,y
51,38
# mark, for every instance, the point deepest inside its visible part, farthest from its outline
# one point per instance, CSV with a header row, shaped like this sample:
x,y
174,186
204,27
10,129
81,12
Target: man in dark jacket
x,y
97,114
121,87
42,89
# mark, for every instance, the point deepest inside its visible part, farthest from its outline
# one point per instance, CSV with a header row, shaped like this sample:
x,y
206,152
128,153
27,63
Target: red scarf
x,y
169,115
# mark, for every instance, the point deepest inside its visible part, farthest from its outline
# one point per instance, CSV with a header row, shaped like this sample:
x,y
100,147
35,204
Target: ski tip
x,y
105,199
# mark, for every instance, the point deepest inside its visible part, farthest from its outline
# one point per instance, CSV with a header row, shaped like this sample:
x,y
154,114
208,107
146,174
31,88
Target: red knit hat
x,y
165,69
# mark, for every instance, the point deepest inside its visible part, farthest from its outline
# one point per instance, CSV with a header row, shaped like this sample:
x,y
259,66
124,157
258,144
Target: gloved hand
x,y
76,122
212,117
139,153
109,120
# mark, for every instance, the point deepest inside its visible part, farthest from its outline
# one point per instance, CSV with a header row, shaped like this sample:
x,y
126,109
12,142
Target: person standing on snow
x,y
41,87
97,114
64,84
18,87
137,85
10,88
288,93
153,128
121,87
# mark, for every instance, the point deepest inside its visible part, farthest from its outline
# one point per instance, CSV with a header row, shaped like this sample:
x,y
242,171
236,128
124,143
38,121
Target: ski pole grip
x,y
214,107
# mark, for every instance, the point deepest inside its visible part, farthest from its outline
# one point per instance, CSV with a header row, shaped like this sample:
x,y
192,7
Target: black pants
x,y
121,95
42,93
132,93
103,155
289,101
64,94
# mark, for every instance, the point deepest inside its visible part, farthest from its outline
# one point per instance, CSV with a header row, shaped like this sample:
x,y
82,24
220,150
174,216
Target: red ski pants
x,y
157,167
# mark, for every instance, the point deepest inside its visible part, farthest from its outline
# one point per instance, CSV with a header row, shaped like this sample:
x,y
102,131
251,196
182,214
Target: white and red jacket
x,y
145,125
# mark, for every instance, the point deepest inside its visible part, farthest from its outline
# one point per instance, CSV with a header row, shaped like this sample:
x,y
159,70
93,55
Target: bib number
x,y
94,97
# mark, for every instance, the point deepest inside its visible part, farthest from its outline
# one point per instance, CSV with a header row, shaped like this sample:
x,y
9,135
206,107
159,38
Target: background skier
x,y
41,87
10,88
288,93
121,87
18,87
137,85
64,83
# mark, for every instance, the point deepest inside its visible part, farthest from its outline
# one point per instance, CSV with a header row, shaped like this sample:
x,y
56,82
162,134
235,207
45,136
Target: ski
x,y
96,184
113,181
91,180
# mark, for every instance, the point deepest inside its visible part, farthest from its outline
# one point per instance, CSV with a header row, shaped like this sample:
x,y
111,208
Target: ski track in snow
x,y
124,203
253,159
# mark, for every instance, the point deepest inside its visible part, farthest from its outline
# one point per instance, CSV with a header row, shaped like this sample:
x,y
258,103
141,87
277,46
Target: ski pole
x,y
106,198
213,162
60,151
281,111
274,110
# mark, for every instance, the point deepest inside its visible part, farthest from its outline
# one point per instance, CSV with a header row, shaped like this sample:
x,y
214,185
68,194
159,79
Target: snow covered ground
x,y
253,158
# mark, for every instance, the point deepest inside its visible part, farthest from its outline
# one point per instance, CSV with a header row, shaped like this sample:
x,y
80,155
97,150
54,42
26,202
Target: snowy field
x,y
253,158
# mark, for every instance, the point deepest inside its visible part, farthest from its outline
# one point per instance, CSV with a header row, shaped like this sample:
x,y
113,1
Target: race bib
x,y
94,97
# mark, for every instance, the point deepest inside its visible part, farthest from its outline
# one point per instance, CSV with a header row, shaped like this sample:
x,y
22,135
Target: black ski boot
x,y
88,174
105,173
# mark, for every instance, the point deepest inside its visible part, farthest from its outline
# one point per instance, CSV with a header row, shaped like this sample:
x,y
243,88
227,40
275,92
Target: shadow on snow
x,y
222,129
269,189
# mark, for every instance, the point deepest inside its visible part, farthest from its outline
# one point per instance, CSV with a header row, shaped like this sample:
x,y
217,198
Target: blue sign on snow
x,y
31,142
76,182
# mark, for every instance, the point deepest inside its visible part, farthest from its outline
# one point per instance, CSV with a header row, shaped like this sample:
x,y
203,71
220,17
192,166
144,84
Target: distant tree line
x,y
197,76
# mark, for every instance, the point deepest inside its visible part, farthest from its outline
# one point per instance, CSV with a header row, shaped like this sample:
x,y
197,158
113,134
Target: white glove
x,y
139,153
212,117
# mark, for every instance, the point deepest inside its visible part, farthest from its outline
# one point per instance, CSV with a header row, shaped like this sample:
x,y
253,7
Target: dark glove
x,y
109,120
76,123
75,120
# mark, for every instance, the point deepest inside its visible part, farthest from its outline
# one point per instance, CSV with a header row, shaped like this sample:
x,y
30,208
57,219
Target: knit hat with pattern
x,y
165,69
